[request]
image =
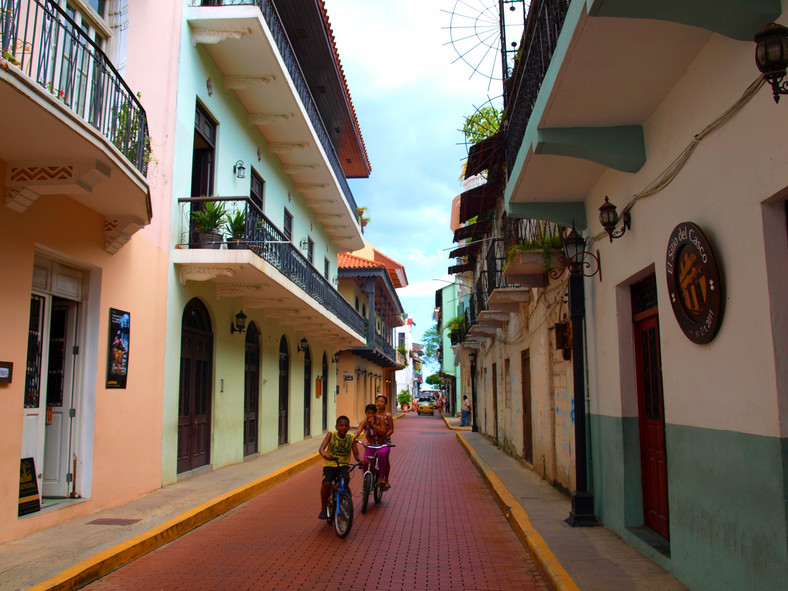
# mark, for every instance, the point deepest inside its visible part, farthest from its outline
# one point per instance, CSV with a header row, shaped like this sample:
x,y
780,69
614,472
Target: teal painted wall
x,y
727,502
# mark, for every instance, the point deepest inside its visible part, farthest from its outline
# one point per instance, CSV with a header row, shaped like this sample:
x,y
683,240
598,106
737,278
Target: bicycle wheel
x,y
366,488
378,489
343,520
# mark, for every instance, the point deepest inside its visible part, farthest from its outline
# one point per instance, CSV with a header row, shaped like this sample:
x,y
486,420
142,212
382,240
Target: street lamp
x,y
771,57
582,513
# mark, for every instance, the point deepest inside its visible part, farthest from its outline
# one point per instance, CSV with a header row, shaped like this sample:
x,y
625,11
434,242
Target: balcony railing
x,y
518,232
50,48
271,17
264,239
545,19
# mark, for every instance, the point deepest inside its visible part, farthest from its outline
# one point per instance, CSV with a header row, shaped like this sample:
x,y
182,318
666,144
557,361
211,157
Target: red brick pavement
x,y
437,528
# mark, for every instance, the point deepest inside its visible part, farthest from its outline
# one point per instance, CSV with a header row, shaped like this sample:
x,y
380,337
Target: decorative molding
x,y
268,118
261,303
231,290
20,199
286,147
213,36
306,187
68,179
237,82
189,272
117,234
27,174
296,168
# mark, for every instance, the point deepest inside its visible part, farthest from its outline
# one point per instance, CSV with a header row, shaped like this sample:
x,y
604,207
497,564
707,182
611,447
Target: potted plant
x,y
235,224
208,222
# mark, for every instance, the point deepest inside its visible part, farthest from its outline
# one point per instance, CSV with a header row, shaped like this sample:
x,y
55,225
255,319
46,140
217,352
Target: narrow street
x,y
437,528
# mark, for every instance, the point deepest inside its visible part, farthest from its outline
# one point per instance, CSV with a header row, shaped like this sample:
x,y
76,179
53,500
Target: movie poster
x,y
118,354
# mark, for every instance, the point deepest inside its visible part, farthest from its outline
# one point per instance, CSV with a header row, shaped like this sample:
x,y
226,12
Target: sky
x,y
411,94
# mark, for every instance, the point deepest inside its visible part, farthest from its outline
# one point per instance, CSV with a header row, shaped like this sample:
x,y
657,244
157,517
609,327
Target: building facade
x,y
260,208
367,371
660,110
85,251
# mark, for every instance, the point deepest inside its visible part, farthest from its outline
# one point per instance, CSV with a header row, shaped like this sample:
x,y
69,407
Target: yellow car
x,y
425,406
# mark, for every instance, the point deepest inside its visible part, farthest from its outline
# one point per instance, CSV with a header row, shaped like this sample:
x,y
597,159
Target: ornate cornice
x,y
213,36
205,272
285,147
268,118
236,82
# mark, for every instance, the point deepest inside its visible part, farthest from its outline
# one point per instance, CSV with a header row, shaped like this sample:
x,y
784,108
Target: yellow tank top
x,y
339,448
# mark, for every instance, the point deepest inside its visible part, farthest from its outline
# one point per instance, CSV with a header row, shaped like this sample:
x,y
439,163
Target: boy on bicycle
x,y
336,445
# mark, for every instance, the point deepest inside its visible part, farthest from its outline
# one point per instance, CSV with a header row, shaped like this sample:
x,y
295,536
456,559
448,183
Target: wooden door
x,y
651,415
307,393
251,389
528,433
324,393
495,400
194,412
284,389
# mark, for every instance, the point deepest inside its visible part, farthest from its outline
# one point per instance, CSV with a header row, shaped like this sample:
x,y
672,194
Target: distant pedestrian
x,y
466,410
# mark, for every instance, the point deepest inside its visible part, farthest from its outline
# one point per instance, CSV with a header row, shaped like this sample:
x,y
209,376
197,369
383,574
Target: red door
x,y
651,421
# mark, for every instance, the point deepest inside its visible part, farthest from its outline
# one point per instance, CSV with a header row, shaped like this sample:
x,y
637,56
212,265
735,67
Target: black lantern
x,y
239,169
302,345
574,248
771,57
608,217
240,323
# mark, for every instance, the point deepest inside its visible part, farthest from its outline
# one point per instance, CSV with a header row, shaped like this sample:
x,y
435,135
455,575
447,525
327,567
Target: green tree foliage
x,y
432,341
484,123
433,380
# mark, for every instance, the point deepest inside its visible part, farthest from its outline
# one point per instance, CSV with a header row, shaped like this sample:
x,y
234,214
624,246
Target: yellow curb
x,y
445,420
105,562
555,575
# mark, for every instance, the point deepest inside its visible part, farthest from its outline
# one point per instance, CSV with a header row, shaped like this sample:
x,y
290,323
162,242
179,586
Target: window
x,y
288,227
326,268
257,191
310,250
356,303
400,339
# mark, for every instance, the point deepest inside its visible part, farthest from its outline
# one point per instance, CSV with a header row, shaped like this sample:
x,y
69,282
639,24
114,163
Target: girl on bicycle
x,y
385,423
375,435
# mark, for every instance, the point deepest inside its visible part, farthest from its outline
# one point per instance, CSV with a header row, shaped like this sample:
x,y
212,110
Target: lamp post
x,y
582,513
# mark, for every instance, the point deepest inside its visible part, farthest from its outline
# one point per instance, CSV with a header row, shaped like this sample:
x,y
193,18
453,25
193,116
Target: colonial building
x,y
267,137
369,280
84,258
659,109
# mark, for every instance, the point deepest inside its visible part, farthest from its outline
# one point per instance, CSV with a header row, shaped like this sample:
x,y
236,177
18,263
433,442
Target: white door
x,y
60,408
52,376
35,400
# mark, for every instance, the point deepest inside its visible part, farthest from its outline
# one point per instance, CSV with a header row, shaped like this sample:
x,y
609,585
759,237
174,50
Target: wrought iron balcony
x,y
272,19
544,23
256,233
42,41
380,352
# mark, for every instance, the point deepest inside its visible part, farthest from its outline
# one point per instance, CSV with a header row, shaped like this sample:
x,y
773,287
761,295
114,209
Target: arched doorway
x,y
284,389
307,392
194,408
324,393
251,388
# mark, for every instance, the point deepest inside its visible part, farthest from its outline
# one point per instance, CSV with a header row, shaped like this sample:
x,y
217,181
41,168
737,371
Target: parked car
x,y
425,405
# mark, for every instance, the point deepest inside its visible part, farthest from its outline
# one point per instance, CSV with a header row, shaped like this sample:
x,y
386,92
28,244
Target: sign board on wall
x,y
695,287
29,501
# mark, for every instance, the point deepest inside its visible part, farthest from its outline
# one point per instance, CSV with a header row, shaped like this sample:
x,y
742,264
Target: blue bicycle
x,y
340,502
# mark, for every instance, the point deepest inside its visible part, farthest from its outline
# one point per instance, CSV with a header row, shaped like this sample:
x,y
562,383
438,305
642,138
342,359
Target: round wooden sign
x,y
694,284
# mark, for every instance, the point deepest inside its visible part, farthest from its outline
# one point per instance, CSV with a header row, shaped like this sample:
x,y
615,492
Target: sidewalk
x,y
588,558
73,553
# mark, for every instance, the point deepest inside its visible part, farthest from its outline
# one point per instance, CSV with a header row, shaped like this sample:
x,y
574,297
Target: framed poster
x,y
118,350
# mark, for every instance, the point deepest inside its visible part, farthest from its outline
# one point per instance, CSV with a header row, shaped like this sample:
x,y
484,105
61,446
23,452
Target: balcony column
x,y
369,289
